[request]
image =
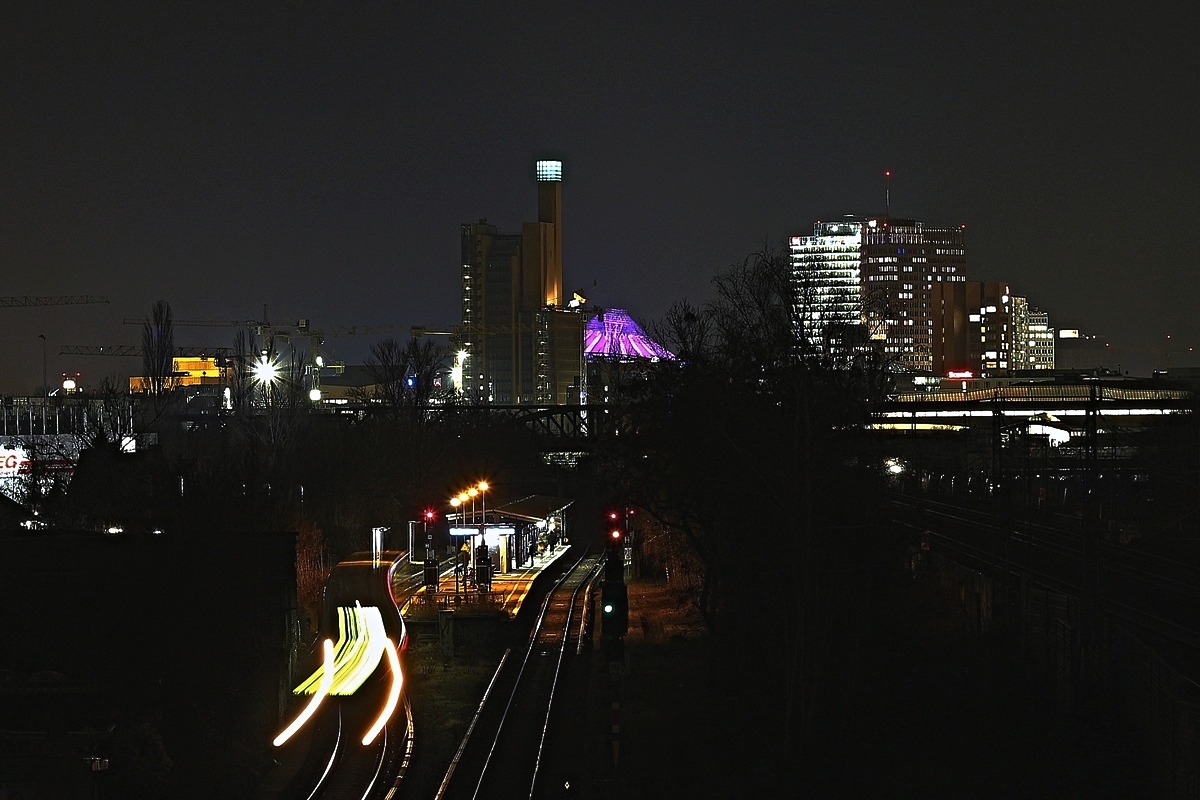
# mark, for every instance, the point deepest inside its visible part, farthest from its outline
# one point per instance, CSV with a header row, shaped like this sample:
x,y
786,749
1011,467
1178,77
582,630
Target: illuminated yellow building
x,y
191,371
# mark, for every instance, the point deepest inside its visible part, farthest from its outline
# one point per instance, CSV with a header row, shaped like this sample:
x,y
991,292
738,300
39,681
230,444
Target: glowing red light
x,y
615,534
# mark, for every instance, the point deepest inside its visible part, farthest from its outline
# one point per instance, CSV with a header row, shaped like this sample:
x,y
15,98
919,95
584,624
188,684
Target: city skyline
x,y
319,162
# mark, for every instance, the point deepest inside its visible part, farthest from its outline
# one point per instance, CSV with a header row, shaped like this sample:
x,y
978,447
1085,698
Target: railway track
x,y
502,753
360,734
1155,592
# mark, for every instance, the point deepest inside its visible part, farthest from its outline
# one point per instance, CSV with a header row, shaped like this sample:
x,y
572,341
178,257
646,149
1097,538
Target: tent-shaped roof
x,y
613,334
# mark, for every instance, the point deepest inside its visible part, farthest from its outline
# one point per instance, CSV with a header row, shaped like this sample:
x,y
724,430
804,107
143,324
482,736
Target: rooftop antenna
x,y
887,193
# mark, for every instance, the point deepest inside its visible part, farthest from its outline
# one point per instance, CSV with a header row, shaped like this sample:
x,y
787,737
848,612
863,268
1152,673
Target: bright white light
x,y
894,466
359,650
318,696
1056,436
314,395
393,699
265,371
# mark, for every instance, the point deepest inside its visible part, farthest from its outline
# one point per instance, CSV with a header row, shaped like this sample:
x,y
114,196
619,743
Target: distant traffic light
x,y
614,608
430,515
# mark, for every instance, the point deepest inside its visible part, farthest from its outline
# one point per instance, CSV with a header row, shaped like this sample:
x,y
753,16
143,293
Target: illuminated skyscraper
x,y
903,260
826,280
876,273
1032,339
523,344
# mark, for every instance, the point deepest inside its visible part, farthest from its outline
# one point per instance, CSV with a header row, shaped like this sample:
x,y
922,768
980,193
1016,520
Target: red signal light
x,y
430,515
615,534
612,515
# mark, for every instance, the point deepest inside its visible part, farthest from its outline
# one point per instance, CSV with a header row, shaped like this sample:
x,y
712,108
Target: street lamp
x,y
266,373
483,487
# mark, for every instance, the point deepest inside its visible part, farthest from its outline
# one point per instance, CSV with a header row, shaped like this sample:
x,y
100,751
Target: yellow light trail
x,y
311,708
393,699
362,639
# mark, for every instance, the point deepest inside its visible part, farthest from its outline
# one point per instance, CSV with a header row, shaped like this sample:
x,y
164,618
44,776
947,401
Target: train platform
x,y
506,593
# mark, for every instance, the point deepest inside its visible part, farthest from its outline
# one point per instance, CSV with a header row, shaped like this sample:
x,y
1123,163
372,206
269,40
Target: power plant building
x,y
523,343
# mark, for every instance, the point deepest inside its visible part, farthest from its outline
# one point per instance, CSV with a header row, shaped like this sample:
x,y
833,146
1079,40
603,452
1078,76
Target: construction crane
x,y
61,300
199,323
136,350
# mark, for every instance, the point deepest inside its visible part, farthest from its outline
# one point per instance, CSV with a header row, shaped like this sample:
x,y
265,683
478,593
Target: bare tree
x,y
686,331
404,377
241,383
756,437
158,354
386,365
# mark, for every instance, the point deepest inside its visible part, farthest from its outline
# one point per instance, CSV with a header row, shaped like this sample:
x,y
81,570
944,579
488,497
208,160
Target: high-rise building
x,y
903,260
1032,339
522,344
877,273
972,324
826,281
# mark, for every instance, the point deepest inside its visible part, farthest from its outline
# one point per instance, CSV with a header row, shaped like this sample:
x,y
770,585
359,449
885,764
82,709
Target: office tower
x,y
522,344
903,260
897,262
1032,339
826,281
972,321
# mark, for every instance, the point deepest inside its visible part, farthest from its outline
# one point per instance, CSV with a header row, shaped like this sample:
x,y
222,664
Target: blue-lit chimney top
x,y
549,170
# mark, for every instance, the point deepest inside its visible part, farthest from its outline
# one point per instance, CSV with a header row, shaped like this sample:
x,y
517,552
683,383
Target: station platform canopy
x,y
533,508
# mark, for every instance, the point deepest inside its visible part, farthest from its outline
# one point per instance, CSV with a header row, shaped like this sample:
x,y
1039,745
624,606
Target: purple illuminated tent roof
x,y
613,334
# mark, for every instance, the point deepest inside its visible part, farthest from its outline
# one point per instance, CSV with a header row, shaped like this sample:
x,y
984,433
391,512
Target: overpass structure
x,y
1045,404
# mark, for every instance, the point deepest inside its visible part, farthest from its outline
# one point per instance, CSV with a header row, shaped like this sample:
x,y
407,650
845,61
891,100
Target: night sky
x,y
318,159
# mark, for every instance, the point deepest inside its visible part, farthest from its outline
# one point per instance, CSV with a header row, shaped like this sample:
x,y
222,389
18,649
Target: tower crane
x,y
136,350
60,300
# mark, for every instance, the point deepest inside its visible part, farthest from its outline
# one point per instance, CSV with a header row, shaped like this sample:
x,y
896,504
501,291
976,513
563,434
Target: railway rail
x,y
502,753
1155,592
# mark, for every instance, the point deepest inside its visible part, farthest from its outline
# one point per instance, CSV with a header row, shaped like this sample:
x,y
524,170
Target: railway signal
x,y
614,608
614,564
431,570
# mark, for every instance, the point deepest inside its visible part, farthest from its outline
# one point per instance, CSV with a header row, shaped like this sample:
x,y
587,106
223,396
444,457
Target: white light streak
x,y
311,708
393,699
